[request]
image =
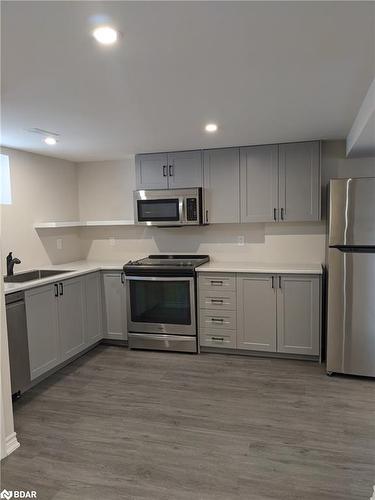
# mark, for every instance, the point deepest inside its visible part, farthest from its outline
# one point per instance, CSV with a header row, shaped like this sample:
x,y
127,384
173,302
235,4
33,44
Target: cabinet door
x,y
42,329
259,183
115,325
299,181
94,323
256,312
151,171
298,315
185,169
71,317
221,181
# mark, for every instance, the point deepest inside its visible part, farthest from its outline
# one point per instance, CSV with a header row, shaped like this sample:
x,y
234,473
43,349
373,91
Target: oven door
x,y
161,305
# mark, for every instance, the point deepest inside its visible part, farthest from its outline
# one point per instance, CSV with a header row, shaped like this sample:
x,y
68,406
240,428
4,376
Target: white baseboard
x,y
11,443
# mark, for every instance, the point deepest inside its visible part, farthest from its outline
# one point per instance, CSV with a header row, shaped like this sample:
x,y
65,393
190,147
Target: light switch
x,y
59,244
241,241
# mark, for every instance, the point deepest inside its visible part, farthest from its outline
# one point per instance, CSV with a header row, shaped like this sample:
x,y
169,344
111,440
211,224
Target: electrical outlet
x,y
59,244
241,241
112,242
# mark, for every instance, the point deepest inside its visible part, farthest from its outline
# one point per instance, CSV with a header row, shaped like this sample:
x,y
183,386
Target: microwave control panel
x,y
191,209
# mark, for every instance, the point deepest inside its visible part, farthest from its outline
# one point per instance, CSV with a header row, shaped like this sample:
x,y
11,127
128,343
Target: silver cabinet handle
x,y
56,290
279,281
221,339
282,213
61,289
171,172
216,283
207,216
272,281
217,320
164,170
274,214
122,278
217,301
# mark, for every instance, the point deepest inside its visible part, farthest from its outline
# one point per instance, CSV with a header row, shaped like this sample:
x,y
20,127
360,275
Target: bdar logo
x,y
6,494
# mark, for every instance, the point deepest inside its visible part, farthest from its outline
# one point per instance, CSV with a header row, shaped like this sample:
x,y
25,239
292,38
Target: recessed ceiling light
x,y
105,35
211,127
51,141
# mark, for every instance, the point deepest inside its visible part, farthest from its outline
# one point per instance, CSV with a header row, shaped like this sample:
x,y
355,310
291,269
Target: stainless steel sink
x,y
37,274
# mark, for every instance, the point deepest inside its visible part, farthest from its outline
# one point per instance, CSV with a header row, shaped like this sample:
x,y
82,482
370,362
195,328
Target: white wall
x,y
105,189
8,439
43,189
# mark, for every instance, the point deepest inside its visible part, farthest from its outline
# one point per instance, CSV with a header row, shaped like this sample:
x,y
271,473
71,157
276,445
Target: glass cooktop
x,y
161,263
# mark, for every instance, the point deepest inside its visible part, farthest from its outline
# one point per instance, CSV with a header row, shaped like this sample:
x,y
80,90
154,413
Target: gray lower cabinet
x,y
276,313
299,181
63,319
256,312
221,183
43,329
71,307
298,314
93,303
114,306
259,183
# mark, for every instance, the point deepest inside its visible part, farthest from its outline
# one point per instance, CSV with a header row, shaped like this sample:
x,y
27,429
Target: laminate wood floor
x,y
119,424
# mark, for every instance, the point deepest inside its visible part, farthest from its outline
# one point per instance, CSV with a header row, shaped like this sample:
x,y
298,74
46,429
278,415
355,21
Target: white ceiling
x,y
264,71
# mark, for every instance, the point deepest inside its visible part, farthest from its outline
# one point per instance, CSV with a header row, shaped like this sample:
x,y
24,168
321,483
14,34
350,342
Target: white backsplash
x,y
263,243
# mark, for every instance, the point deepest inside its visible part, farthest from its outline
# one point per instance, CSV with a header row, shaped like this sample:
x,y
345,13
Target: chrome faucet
x,y
10,263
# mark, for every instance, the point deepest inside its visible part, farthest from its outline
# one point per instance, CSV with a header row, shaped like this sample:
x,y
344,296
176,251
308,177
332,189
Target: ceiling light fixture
x,y
51,141
105,35
211,127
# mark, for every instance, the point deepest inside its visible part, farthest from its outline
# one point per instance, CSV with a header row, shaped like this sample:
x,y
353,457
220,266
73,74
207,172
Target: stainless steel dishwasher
x,y
17,342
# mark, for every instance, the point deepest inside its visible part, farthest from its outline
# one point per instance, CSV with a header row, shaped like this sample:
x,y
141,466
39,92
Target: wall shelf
x,y
87,223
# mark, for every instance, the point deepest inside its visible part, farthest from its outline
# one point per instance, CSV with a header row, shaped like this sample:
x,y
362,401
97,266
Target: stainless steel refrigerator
x,y
351,277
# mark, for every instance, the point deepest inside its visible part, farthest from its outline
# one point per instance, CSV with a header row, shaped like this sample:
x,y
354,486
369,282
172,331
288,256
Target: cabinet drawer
x,y
226,281
219,320
221,338
218,300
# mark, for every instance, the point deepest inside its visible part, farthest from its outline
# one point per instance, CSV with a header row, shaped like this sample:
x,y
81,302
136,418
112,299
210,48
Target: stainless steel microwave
x,y
169,207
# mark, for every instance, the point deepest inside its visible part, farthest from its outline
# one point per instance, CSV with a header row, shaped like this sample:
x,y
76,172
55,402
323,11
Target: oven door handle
x,y
159,278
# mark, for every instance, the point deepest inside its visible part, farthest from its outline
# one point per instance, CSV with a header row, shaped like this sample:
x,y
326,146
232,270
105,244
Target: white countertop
x,y
256,267
80,267
77,268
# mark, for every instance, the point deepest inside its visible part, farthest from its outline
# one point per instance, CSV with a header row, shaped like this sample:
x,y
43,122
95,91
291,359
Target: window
x,y
5,191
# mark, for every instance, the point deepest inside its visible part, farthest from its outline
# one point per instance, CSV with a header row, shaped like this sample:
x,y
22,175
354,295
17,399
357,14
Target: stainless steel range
x,y
161,302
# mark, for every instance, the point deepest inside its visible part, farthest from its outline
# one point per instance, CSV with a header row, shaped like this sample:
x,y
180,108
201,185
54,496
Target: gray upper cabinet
x,y
115,323
71,317
94,324
259,183
173,170
42,329
151,171
256,312
185,169
298,315
299,181
222,184
272,182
